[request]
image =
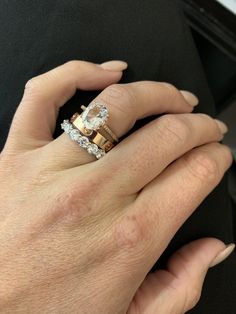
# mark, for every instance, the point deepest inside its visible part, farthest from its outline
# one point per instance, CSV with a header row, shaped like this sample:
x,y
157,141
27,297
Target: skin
x,y
79,235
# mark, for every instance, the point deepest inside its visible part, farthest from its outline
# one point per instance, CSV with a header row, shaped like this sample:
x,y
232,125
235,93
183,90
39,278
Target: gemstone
x,y
100,154
92,149
83,141
66,126
74,135
94,116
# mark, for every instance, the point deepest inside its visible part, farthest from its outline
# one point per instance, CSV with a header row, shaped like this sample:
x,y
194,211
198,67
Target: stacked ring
x,y
82,140
101,113
89,129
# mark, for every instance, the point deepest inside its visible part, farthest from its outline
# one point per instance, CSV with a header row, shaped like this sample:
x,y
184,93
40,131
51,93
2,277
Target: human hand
x,y
80,236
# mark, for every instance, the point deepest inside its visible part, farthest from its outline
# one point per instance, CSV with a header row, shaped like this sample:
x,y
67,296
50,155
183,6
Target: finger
x,y
146,153
34,121
177,289
126,104
166,202
130,102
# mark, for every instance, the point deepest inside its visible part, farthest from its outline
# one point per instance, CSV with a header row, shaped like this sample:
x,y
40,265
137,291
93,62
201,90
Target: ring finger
x,y
126,104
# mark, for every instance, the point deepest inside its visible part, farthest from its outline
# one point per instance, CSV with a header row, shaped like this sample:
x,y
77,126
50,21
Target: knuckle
x,y
73,65
202,165
72,203
128,232
172,91
170,87
205,116
31,83
131,232
118,91
211,124
34,86
76,201
120,96
173,127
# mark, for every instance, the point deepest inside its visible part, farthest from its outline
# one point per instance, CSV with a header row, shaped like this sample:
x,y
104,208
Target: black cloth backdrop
x,y
153,38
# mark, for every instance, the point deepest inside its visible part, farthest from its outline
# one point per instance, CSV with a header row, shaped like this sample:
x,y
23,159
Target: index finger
x,y
35,119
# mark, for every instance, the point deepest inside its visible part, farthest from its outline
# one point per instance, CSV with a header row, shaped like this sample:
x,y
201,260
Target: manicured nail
x,y
114,65
223,254
190,98
223,127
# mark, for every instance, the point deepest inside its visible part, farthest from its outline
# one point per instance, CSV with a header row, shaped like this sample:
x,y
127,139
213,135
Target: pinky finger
x,y
178,289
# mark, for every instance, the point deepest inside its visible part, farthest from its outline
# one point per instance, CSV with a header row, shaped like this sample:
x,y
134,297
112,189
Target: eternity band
x,y
95,137
82,140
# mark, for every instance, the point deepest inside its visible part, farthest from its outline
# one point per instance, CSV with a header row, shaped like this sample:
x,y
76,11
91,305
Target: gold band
x,y
94,136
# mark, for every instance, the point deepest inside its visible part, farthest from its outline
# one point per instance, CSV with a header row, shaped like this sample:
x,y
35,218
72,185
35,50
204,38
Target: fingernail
x,y
114,65
223,254
190,98
223,127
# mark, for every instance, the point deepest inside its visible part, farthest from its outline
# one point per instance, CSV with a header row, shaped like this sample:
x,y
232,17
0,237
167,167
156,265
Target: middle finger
x,y
147,152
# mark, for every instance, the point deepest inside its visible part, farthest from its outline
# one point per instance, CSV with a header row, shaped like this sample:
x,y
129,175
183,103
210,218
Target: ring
x,y
95,137
82,140
92,123
89,129
94,118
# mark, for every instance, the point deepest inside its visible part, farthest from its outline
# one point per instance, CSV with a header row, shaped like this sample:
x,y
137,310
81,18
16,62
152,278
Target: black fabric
x,y
153,38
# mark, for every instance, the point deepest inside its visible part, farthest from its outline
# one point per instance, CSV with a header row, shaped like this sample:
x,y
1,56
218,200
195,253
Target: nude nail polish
x,y
223,127
190,98
114,65
223,254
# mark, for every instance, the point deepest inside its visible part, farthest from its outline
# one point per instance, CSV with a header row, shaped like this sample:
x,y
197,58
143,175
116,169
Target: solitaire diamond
x,y
94,116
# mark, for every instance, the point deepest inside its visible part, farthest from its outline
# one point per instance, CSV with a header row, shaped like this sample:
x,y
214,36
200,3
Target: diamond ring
x,y
82,140
91,125
95,117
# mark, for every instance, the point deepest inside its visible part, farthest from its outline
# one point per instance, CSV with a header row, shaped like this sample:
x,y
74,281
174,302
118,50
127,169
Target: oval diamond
x,y
94,116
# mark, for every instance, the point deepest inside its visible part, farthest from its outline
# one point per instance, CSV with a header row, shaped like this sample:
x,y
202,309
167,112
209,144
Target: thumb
x,y
178,288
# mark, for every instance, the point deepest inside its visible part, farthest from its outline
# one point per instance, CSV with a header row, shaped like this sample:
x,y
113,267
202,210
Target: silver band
x,y
82,140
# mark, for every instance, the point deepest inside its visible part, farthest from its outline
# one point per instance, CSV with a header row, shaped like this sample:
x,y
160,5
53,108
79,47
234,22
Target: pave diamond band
x,y
82,140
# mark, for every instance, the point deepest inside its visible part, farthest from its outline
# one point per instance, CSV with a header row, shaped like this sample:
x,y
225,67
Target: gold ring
x,y
92,123
93,136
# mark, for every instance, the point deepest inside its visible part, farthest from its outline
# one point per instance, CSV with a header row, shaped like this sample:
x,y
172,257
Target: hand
x,y
80,236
